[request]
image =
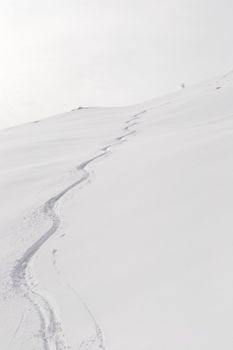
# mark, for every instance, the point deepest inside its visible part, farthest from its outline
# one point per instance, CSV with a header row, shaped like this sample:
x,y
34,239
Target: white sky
x,y
58,54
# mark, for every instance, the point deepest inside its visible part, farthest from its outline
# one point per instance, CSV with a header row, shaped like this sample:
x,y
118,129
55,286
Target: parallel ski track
x,y
50,329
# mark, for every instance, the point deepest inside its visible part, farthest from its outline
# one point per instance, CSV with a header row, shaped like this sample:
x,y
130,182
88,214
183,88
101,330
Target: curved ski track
x,y
50,332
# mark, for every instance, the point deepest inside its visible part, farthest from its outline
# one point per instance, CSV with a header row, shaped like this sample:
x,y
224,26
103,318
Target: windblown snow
x,y
116,226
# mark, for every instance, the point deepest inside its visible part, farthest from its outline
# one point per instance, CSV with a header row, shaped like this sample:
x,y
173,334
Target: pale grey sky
x,y
58,54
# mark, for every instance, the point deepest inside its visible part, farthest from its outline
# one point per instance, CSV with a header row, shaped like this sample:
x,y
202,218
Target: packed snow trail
x,y
51,331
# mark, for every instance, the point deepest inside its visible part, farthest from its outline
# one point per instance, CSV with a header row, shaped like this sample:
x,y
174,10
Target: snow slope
x,y
116,226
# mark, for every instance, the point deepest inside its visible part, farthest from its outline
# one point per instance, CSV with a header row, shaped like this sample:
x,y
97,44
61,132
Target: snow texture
x,y
116,226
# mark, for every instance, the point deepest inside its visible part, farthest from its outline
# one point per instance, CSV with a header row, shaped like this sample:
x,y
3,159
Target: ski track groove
x,y
16,331
50,332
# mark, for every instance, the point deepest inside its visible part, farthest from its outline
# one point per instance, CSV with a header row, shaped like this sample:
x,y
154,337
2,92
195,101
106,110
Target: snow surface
x,y
116,226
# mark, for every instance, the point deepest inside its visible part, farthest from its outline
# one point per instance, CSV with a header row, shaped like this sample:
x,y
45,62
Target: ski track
x,y
16,331
50,332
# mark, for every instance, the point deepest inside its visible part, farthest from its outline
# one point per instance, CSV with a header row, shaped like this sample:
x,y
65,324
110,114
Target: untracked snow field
x,y
116,227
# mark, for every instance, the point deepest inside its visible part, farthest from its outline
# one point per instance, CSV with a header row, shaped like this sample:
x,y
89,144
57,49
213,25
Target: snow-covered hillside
x,y
116,226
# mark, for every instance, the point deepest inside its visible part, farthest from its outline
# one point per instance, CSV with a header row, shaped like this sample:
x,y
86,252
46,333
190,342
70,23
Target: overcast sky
x,y
58,54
